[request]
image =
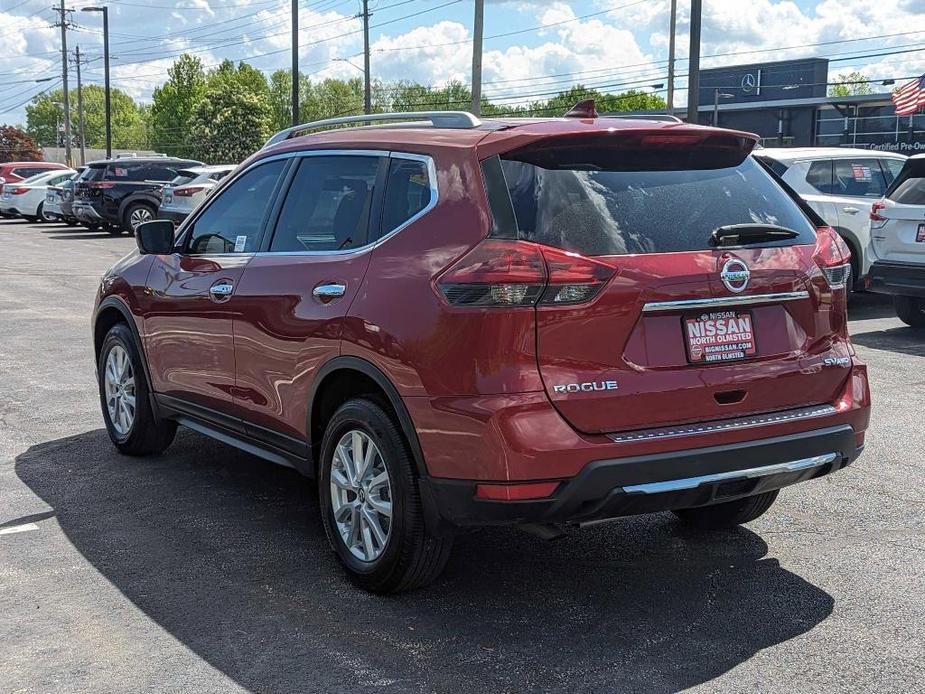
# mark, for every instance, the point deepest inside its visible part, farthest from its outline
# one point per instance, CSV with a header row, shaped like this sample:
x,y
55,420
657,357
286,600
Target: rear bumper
x,y
174,216
903,279
86,213
644,484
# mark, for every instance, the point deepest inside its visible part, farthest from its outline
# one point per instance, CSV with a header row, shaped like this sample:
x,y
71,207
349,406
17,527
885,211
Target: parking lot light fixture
x,y
105,12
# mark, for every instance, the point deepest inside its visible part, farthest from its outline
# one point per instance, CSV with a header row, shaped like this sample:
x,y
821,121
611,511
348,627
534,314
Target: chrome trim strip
x,y
747,422
712,302
749,473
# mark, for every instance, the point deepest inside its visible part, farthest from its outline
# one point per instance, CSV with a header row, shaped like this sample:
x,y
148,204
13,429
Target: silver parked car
x,y
839,184
190,187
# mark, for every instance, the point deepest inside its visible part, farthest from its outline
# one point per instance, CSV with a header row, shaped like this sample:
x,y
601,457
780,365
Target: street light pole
x,y
367,86
295,62
477,30
693,65
105,11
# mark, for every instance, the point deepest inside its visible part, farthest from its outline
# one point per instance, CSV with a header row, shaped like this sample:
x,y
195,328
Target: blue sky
x,y
546,45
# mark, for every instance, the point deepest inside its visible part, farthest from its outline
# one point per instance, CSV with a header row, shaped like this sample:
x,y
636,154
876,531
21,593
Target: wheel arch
x,y
343,377
138,198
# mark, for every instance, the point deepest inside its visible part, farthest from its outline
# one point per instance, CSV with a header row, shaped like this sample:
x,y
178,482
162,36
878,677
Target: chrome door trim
x,y
748,473
683,304
332,290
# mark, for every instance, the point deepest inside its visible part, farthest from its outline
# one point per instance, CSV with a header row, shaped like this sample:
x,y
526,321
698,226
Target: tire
x,y
40,213
910,310
409,557
728,514
137,213
141,433
111,229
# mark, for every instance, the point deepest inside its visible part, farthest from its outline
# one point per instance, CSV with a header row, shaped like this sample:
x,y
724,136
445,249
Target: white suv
x,y
191,186
897,243
839,184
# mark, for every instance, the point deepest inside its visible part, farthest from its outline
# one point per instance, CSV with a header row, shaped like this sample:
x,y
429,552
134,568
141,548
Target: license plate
x,y
719,336
168,199
49,198
920,233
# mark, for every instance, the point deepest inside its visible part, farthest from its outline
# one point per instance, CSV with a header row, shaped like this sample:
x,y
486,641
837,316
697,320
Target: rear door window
x,y
598,211
407,192
859,177
234,220
328,205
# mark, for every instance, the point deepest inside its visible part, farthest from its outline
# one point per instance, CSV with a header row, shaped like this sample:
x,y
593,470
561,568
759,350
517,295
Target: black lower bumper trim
x,y
661,482
903,279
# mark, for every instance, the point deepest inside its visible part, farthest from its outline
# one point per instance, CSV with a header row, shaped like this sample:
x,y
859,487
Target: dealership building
x,y
787,104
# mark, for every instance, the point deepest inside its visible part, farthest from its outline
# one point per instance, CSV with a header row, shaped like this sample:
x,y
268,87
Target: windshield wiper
x,y
741,234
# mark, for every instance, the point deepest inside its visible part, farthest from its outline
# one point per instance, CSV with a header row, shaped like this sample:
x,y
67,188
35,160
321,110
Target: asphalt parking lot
x,y
207,570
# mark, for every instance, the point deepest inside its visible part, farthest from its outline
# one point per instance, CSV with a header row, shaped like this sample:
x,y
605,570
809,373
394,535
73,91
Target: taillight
x,y
188,192
877,220
500,272
18,191
833,256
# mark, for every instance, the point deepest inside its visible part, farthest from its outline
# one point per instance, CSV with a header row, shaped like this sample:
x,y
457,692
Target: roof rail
x,y
438,119
641,116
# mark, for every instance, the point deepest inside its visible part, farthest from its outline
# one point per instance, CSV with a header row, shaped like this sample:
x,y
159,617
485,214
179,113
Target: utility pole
x,y
105,12
80,110
673,23
693,73
367,87
477,30
295,62
62,22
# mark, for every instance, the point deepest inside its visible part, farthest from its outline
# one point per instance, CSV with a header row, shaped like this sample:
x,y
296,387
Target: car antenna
x,y
583,109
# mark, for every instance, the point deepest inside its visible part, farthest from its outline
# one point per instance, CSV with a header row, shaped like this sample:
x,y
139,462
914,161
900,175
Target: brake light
x,y
500,272
833,256
18,191
188,192
877,220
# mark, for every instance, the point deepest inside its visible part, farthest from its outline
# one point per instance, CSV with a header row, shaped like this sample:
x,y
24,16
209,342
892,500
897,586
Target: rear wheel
x,y
130,421
371,504
42,215
910,310
137,213
728,514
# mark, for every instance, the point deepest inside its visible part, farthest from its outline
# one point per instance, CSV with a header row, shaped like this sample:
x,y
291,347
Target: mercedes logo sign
x,y
748,82
735,275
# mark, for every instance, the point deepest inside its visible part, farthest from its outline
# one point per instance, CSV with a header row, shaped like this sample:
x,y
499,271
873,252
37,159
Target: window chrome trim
x,y
434,197
682,304
737,423
748,473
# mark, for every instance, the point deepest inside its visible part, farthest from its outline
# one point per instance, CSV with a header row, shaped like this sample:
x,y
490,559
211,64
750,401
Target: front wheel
x,y
371,504
728,514
124,397
910,310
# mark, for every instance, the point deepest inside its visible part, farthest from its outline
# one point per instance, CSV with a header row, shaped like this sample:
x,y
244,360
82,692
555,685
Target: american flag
x,y
909,97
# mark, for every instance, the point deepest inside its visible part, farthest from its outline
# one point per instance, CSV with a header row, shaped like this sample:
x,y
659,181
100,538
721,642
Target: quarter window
x,y
232,223
819,176
407,192
328,205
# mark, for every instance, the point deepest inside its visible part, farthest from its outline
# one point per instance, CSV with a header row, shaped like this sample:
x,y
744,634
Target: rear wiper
x,y
741,234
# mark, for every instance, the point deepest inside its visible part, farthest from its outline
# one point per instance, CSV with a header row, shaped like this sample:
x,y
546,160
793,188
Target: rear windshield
x,y
183,177
92,173
616,211
909,186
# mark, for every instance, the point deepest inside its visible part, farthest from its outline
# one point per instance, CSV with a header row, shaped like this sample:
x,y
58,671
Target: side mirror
x,y
155,237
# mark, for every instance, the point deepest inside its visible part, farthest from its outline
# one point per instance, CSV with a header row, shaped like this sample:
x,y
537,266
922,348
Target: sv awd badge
x,y
588,387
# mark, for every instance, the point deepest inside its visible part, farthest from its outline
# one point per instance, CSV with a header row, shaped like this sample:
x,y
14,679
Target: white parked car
x,y
188,189
897,243
26,198
54,198
839,184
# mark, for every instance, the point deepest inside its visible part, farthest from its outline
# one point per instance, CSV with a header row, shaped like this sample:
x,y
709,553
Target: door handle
x,y
329,292
850,210
221,290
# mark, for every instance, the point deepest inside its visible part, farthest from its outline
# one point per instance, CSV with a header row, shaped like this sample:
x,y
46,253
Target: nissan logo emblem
x,y
735,275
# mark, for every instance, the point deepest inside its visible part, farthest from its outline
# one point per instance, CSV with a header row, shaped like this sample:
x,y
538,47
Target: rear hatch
x,y
85,187
897,227
687,323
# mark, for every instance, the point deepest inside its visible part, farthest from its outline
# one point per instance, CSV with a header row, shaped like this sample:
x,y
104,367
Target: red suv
x,y
457,323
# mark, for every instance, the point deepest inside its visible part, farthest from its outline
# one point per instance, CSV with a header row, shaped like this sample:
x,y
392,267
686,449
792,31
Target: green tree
x,y
173,104
243,77
229,124
632,100
850,84
16,145
45,114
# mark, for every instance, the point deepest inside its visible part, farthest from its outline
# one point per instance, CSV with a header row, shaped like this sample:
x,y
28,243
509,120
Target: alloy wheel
x,y
361,496
119,382
139,215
